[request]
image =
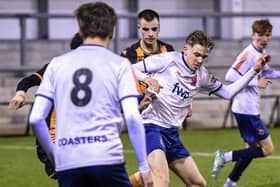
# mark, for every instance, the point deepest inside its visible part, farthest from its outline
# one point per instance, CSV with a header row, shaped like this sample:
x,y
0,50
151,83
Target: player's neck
x,y
97,41
149,49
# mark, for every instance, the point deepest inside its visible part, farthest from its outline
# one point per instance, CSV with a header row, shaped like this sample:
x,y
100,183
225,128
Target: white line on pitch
x,y
128,151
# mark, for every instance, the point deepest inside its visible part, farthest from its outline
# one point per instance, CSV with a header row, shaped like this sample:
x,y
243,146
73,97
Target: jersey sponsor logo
x,y
260,131
82,140
180,91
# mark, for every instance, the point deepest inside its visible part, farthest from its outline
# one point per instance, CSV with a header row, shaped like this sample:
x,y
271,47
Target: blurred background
x,y
34,31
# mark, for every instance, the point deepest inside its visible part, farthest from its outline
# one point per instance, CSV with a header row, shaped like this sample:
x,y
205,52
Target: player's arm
x,y
37,120
137,136
189,112
149,65
233,75
129,92
271,73
27,82
130,54
228,91
146,101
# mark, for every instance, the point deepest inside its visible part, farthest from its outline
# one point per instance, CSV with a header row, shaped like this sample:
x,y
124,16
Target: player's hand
x,y
189,113
17,101
153,84
146,179
146,101
264,82
261,62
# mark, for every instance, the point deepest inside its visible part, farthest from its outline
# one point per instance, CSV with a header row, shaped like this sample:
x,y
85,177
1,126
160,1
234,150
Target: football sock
x,y
228,156
238,169
249,153
133,181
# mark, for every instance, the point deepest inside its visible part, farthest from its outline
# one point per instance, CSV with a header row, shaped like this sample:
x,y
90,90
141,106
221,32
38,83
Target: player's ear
x,y
185,48
138,27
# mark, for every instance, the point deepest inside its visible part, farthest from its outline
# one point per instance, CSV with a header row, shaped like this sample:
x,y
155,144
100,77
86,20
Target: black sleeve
x,y
130,55
123,53
32,80
170,48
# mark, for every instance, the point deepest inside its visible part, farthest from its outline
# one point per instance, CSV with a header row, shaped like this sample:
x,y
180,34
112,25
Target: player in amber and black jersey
x,y
138,51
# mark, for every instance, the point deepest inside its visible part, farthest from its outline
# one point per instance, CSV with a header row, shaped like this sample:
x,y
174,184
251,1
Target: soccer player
x,y
88,91
181,76
246,106
19,99
149,44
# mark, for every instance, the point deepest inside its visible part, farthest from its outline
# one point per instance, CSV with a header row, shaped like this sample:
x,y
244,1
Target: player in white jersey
x,y
246,106
181,76
88,87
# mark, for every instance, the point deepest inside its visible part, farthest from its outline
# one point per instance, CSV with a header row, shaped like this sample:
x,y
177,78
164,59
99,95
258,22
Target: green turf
x,y
19,165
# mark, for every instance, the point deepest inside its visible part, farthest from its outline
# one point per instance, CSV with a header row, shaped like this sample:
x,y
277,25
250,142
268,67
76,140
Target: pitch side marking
x,y
128,151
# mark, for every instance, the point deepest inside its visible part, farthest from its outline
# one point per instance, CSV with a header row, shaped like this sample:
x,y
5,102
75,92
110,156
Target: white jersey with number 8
x,y
87,96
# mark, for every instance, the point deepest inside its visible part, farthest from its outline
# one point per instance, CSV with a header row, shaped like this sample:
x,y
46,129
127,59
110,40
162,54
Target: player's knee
x,y
198,182
163,182
202,183
160,180
268,150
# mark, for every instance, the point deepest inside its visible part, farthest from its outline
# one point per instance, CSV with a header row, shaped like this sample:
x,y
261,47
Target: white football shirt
x,y
86,86
247,101
180,84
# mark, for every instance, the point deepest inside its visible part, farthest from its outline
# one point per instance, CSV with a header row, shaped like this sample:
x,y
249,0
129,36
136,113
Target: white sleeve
x,y
140,71
150,64
233,75
127,81
37,120
271,73
228,91
136,131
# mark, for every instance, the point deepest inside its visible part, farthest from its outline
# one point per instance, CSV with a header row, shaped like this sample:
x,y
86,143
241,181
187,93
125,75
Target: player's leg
x,y
267,146
179,159
237,170
156,147
252,129
242,164
188,171
159,168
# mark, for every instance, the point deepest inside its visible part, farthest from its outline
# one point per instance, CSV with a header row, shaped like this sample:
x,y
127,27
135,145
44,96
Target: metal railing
x,y
22,18
204,17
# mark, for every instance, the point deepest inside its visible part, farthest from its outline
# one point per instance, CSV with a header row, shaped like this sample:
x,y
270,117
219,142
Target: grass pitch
x,y
19,165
